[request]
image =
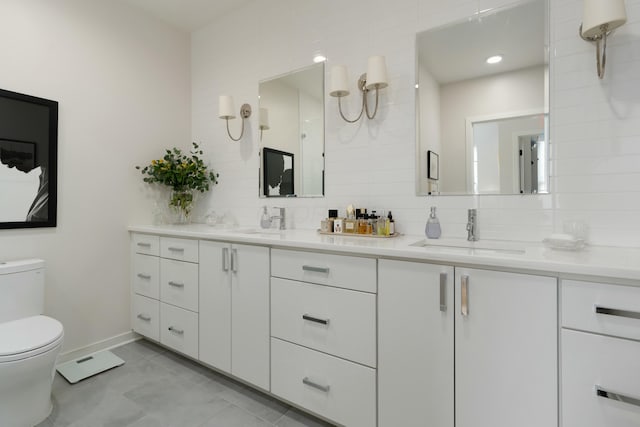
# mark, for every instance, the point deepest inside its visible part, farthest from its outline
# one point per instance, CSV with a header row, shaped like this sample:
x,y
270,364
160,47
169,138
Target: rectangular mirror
x,y
482,103
292,132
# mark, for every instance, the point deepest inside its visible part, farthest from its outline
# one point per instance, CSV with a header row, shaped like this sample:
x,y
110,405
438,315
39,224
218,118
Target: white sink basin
x,y
463,246
272,231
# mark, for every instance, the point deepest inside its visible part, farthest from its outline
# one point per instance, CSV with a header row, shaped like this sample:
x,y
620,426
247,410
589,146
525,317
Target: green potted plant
x,y
184,174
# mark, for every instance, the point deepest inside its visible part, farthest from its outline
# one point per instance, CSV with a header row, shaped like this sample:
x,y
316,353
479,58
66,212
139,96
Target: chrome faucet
x,y
472,225
281,217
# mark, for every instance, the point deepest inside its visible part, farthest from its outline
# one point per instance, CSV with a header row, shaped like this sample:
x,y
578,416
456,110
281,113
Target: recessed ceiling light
x,y
319,58
494,59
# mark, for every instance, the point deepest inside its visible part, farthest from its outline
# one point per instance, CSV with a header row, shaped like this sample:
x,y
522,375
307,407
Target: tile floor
x,y
158,388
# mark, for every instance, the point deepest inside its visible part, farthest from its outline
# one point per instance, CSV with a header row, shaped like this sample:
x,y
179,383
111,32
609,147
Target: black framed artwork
x,y
433,167
28,161
277,173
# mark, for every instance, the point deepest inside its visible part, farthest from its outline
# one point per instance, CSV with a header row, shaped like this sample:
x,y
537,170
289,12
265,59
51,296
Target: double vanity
x,y
401,331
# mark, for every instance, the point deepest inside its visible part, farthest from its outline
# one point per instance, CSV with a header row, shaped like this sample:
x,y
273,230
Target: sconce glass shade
x,y
226,109
339,81
264,119
377,73
597,13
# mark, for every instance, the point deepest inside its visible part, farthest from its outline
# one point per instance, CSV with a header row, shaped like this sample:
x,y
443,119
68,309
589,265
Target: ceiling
x,y
459,51
188,15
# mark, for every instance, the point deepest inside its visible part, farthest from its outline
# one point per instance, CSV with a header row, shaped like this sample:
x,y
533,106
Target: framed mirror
x,y
28,161
482,103
292,129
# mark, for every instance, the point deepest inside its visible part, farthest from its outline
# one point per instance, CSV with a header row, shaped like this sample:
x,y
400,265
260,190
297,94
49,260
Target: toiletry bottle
x,y
433,230
381,225
392,224
333,214
350,221
265,219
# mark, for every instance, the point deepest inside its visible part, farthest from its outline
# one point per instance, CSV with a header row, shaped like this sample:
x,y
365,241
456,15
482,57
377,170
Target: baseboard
x,y
106,344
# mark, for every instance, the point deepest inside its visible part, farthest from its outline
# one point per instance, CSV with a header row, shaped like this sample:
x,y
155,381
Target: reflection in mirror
x,y
482,103
292,129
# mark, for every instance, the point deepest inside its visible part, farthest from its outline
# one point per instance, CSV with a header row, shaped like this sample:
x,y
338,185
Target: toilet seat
x,y
28,337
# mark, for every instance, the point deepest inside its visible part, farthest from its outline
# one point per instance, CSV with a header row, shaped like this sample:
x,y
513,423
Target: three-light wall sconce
x,y
227,110
374,78
599,19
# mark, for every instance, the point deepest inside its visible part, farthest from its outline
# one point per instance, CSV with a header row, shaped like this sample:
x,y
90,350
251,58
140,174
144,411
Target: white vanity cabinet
x,y
415,344
600,354
505,342
234,310
506,349
165,291
323,334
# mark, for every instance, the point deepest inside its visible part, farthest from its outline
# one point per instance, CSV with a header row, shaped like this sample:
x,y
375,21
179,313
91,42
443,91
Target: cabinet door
x,y
506,349
250,314
415,344
215,305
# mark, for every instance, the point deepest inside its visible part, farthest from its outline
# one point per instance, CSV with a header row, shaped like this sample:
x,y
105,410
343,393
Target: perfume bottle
x,y
432,229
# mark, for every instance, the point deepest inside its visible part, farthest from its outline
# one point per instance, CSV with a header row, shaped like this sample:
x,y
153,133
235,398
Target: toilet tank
x,y
21,289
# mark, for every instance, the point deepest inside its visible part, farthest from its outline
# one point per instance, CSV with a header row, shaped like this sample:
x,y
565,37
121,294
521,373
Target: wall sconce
x,y
375,78
264,121
227,111
599,19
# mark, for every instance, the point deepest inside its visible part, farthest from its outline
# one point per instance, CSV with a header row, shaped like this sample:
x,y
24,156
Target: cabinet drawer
x,y
180,249
335,270
591,362
146,275
336,321
602,308
146,244
146,317
179,283
179,329
334,388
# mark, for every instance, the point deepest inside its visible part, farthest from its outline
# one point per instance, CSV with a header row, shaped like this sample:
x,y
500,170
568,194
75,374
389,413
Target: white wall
x,y
122,81
595,126
520,90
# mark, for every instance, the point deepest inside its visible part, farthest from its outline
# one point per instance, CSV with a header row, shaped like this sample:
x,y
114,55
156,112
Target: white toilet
x,y
29,345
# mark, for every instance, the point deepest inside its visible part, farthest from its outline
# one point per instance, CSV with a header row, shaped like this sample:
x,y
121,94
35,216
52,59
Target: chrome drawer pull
x,y
234,260
176,284
464,293
144,245
144,317
144,276
225,259
177,331
615,396
443,292
174,249
616,312
320,387
315,269
315,319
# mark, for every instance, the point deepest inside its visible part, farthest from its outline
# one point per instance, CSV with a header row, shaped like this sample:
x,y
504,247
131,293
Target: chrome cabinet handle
x,y
144,276
617,312
464,293
174,249
443,292
315,269
144,317
144,245
234,260
177,331
225,259
315,385
315,319
616,396
176,284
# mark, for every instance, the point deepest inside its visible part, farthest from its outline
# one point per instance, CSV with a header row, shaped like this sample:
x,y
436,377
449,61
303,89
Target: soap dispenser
x,y
265,219
432,229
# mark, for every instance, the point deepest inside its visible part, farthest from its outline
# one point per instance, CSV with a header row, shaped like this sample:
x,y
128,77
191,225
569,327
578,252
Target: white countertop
x,y
598,261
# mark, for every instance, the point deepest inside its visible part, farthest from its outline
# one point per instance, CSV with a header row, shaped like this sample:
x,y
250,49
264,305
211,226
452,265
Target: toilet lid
x,y
24,337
